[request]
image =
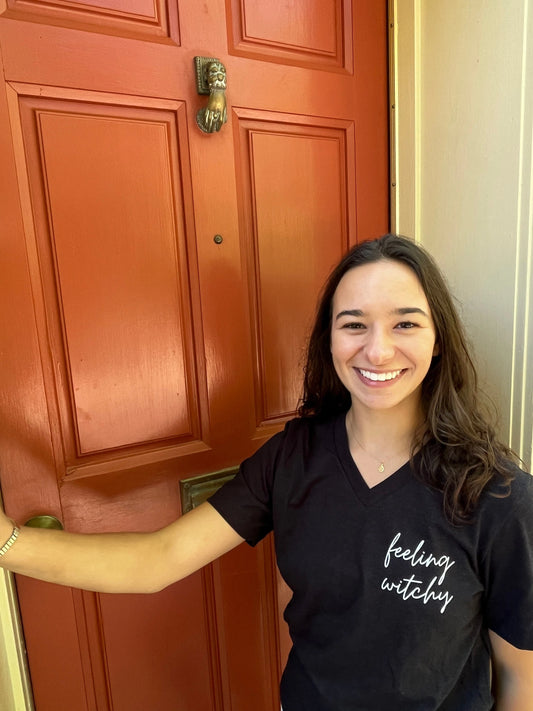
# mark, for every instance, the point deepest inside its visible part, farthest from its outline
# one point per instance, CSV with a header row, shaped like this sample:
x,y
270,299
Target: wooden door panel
x,y
53,643
315,34
116,260
250,644
143,19
168,636
295,185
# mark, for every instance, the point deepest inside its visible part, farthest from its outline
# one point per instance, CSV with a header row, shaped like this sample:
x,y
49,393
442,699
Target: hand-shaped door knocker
x,y
211,79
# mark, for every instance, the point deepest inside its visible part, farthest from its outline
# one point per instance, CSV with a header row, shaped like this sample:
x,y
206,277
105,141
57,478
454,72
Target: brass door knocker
x,y
211,79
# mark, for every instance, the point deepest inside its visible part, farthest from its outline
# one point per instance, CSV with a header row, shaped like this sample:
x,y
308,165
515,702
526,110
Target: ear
x,y
436,349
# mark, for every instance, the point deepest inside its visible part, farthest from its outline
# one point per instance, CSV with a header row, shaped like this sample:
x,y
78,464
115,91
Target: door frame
x,y
404,22
15,684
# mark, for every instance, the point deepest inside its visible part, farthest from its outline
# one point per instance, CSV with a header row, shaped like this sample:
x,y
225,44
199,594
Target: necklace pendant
x,y
381,468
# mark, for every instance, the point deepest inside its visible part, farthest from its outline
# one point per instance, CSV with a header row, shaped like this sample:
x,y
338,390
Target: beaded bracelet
x,y
11,540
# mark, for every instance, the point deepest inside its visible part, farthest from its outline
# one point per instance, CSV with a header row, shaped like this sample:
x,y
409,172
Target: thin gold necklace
x,y
381,465
381,462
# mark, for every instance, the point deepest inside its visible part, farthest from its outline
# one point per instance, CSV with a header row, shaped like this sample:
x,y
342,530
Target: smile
x,y
381,377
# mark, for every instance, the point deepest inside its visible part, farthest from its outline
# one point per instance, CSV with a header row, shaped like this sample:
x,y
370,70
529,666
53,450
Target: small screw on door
x,y
217,239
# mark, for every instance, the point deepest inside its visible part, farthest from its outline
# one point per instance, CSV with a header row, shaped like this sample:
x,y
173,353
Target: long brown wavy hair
x,y
459,453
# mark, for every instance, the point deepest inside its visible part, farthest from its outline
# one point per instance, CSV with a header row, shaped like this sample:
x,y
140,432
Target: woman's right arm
x,y
120,562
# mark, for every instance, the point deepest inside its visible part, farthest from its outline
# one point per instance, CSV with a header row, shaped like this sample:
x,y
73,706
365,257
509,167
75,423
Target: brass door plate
x,y
197,489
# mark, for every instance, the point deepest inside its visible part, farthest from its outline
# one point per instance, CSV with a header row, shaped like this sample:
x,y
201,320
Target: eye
x,y
353,325
406,325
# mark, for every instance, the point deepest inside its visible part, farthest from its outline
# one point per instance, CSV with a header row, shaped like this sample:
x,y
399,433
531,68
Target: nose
x,y
379,347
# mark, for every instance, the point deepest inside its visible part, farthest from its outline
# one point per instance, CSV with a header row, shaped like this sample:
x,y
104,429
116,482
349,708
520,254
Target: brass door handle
x,y
44,521
211,79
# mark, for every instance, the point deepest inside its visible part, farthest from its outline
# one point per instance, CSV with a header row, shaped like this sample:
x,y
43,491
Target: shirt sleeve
x,y
508,570
245,502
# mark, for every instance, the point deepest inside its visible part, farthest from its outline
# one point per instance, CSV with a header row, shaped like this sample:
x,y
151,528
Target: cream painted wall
x,y
463,169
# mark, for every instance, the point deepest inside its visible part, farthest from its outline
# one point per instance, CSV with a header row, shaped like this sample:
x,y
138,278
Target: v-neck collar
x,y
366,494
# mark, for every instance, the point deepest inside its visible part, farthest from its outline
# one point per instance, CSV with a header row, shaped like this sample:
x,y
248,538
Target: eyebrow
x,y
395,312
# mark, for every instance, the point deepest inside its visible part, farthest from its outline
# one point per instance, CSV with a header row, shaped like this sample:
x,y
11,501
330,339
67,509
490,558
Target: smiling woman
x,y
402,526
381,356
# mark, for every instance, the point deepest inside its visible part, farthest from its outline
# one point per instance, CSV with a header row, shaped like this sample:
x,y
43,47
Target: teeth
x,y
380,376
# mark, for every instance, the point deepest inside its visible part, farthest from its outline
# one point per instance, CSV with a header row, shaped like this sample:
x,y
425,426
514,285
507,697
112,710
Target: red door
x,y
135,350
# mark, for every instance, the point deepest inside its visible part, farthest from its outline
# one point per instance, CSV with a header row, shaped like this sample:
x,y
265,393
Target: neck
x,y
389,429
379,443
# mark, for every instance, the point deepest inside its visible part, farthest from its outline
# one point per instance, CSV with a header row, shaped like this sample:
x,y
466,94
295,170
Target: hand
x,y
214,115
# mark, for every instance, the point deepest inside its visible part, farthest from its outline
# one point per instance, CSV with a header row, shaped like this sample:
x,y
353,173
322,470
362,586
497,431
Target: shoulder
x,y
506,562
513,497
522,487
308,429
299,437
505,516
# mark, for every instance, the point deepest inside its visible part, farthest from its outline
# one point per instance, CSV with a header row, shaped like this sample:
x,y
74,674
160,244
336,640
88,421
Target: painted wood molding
x,y
14,680
521,406
405,42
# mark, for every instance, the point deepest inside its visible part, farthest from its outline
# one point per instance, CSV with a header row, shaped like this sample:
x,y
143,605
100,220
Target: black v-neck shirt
x,y
391,603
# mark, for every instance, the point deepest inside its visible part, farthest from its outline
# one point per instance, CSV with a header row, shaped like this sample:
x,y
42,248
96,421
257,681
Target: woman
x,y
401,525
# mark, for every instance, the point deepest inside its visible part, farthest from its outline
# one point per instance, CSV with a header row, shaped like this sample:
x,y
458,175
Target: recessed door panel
x,y
174,676
315,33
112,231
147,19
297,178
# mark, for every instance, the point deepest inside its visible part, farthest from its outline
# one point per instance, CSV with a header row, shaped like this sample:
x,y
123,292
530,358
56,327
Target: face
x,y
382,335
216,76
